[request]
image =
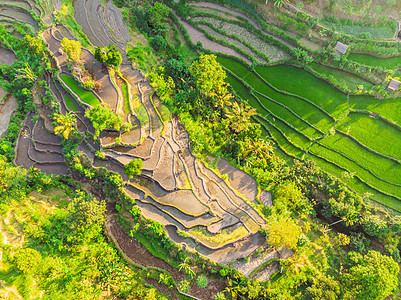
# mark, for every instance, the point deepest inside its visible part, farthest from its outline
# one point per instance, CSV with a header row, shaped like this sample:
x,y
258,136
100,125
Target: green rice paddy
x,y
298,110
127,100
85,96
369,60
71,104
345,78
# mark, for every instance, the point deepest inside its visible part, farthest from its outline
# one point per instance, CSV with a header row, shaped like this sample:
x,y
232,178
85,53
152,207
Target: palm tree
x,y
27,73
187,268
240,116
66,124
259,148
222,96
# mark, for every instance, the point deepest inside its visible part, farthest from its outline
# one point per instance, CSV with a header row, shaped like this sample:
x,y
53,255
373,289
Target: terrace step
x,y
164,172
238,201
185,220
183,200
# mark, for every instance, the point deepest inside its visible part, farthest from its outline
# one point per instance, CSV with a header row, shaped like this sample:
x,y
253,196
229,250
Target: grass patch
x,y
124,89
281,140
345,78
71,104
164,113
380,166
356,184
289,121
85,96
353,167
383,30
216,240
370,60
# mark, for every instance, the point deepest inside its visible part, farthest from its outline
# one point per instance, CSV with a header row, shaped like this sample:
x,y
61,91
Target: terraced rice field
x,y
369,60
345,78
224,30
321,123
6,110
85,96
377,32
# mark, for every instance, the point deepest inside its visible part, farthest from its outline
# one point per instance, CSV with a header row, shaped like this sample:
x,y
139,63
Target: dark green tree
x,y
109,55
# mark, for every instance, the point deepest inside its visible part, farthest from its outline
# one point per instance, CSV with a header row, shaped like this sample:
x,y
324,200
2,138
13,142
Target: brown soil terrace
x,y
175,188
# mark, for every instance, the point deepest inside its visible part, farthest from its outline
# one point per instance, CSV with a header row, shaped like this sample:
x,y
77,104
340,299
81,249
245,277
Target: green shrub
x,y
184,286
201,281
135,212
134,167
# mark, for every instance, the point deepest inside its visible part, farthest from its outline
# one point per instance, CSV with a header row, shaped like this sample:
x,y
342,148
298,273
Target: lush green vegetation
x,y
293,117
85,96
109,55
53,242
261,121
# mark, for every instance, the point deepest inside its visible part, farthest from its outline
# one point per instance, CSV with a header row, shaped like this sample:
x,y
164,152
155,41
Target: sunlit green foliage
x,y
103,117
134,167
66,124
370,277
109,55
72,48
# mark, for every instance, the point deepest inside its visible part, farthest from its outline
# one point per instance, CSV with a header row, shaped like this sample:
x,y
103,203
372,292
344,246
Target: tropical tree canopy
x,y
66,124
283,233
372,276
103,117
209,74
72,48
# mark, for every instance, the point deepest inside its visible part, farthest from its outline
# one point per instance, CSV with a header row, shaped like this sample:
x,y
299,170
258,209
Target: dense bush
x,y
109,55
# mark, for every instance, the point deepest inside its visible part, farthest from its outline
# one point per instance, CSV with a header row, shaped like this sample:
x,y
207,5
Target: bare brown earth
x,y
239,180
7,57
32,150
6,110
